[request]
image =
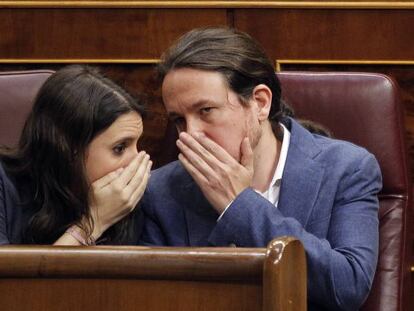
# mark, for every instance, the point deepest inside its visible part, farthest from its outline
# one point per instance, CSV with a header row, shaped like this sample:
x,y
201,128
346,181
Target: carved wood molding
x,y
280,62
231,4
78,61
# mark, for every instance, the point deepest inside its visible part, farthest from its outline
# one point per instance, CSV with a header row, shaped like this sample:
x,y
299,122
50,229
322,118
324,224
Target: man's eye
x,y
206,110
119,149
178,121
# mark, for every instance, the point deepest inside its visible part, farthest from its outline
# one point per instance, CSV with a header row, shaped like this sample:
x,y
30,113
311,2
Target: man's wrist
x,y
225,209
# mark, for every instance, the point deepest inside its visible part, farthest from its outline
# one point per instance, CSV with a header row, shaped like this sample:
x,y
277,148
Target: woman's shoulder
x,y
10,209
6,181
8,202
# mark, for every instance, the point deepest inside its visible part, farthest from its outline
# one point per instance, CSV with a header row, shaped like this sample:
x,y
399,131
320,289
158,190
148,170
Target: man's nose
x,y
193,126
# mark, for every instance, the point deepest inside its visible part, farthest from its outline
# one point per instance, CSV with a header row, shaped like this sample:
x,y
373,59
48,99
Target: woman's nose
x,y
132,153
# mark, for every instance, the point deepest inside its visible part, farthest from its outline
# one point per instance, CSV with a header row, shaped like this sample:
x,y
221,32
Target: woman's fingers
x,y
140,189
130,171
120,196
107,179
121,176
139,173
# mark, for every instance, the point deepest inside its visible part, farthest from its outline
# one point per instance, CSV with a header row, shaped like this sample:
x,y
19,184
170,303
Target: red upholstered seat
x,y
365,108
17,92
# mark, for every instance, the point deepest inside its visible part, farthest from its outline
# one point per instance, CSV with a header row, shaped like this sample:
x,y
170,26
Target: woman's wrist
x,y
97,227
96,233
79,235
98,222
73,236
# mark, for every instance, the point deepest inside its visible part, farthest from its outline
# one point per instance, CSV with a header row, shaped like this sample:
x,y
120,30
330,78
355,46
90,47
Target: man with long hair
x,y
247,173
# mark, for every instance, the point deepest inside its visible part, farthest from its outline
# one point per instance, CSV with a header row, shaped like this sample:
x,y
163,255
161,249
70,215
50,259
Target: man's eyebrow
x,y
173,115
194,106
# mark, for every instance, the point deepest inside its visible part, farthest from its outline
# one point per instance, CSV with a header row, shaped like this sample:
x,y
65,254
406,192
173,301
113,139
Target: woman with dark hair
x,y
76,175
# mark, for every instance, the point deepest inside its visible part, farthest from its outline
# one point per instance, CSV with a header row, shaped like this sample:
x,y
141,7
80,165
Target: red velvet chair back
x,y
17,92
365,108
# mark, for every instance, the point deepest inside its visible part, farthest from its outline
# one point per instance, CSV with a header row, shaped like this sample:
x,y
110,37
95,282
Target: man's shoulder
x,y
342,160
340,149
327,150
170,178
171,186
173,171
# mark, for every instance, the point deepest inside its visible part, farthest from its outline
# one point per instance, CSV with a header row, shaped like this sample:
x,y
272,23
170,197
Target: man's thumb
x,y
246,154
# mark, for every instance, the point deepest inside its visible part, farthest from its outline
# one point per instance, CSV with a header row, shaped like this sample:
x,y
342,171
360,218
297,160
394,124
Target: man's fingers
x,y
246,158
206,148
108,178
197,176
205,167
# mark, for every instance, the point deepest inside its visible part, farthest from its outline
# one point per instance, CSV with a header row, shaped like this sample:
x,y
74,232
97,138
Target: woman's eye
x,y
119,149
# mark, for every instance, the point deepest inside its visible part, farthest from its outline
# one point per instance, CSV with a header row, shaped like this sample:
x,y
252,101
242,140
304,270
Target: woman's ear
x,y
262,96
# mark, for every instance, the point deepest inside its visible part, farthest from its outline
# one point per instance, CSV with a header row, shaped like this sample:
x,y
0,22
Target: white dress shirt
x,y
272,193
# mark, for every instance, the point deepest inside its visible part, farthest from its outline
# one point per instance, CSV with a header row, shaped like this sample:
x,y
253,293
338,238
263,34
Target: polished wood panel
x,y
125,295
144,278
97,33
331,34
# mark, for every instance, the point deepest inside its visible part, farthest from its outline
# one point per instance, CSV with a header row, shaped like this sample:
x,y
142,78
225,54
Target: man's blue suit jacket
x,y
328,200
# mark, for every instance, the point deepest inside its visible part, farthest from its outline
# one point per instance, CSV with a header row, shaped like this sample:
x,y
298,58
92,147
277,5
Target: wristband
x,y
78,237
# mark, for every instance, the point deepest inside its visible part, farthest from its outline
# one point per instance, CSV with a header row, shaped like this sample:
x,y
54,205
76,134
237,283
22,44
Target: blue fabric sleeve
x,y
341,266
152,234
3,219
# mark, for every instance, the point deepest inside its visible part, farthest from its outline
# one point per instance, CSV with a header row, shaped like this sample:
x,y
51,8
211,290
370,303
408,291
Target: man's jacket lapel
x,y
302,176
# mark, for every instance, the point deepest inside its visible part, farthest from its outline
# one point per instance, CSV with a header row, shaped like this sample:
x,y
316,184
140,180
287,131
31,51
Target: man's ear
x,y
262,96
